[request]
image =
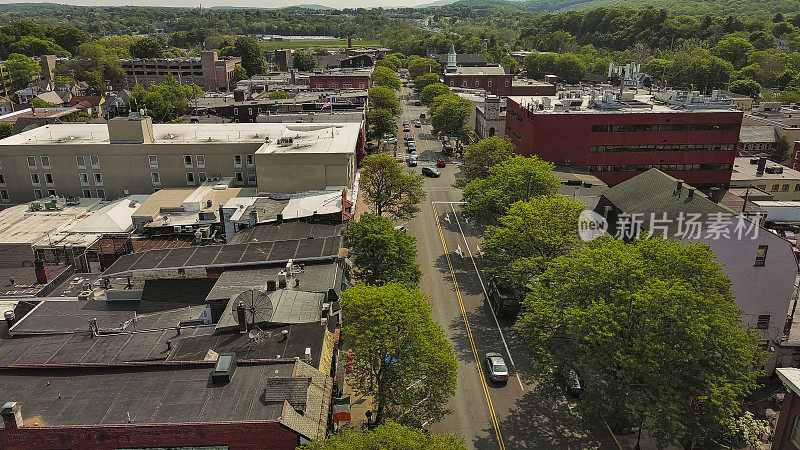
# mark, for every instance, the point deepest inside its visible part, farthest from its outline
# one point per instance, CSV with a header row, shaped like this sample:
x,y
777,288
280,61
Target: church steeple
x,y
451,59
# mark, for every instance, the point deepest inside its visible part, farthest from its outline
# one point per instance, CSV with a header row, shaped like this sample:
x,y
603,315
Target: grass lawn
x,y
337,43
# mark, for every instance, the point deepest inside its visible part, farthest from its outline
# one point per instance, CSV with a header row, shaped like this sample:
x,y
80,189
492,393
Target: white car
x,y
496,367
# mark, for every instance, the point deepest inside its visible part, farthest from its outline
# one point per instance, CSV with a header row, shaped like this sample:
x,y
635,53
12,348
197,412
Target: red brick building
x,y
492,79
787,429
795,158
350,79
617,140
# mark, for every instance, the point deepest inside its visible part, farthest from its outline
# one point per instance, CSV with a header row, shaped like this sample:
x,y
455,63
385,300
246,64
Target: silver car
x,y
496,366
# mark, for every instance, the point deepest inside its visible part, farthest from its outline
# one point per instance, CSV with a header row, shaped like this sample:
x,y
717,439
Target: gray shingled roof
x,y
653,193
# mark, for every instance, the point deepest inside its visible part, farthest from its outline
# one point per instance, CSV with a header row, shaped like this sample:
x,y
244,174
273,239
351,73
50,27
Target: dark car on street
x,y
430,172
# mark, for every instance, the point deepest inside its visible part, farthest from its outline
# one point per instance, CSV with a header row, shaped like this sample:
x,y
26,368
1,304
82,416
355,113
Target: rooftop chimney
x,y
12,415
271,285
678,187
240,314
131,130
42,272
716,194
762,163
690,192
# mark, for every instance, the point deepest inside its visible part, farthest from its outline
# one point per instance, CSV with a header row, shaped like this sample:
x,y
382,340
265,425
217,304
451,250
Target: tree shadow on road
x,y
541,419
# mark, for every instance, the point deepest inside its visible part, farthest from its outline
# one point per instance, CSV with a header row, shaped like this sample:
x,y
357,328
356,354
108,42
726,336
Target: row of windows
x,y
38,193
477,83
777,187
344,85
202,177
80,160
514,114
661,147
662,167
513,132
665,127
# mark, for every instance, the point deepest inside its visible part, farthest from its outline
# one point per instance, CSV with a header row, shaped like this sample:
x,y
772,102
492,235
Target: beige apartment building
x,y
780,181
134,156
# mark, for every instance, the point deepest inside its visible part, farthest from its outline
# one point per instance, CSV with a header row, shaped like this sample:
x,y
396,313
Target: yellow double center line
x,y
495,422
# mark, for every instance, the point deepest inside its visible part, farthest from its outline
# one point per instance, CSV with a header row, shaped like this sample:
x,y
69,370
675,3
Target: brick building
x,y
342,79
208,71
690,138
492,79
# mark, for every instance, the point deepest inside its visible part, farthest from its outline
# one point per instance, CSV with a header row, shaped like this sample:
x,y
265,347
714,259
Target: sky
x,y
248,3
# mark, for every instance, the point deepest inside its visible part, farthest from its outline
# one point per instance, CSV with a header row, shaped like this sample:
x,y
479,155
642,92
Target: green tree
x,y
382,97
303,61
747,87
422,81
781,151
381,253
388,188
383,76
239,74
432,91
417,67
39,103
402,357
253,59
381,121
650,327
450,115
277,95
147,48
513,180
33,46
530,234
166,101
569,68
389,436
6,129
390,61
482,156
21,69
733,49
511,63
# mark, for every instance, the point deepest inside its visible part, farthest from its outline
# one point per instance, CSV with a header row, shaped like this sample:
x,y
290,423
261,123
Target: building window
x,y
249,159
763,187
37,193
84,179
249,111
4,196
201,176
87,193
156,178
187,160
477,83
361,85
785,187
451,84
51,192
761,255
201,160
101,193
153,160
190,178
251,178
797,187
506,83
763,322
239,178
775,187
48,179
95,160
45,162
98,179
489,83
35,179
2,179
31,162
464,83
81,162
237,160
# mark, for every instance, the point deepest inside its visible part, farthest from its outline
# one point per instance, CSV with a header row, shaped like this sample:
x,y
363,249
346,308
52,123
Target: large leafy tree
x,y
513,180
166,101
253,59
747,87
450,114
530,234
424,80
381,253
651,328
21,69
381,121
303,61
382,97
389,436
389,188
383,76
147,48
432,91
485,154
419,66
402,358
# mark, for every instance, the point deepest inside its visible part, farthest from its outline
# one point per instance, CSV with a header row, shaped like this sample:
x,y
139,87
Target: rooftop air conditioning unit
x,y
176,228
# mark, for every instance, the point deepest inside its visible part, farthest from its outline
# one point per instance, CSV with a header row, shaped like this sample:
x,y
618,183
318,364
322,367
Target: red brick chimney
x,y
42,272
292,79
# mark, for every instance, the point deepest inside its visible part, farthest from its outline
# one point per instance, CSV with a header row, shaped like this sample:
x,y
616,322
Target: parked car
x,y
417,124
430,172
421,115
441,163
406,126
408,137
400,228
412,161
412,146
502,299
571,382
496,367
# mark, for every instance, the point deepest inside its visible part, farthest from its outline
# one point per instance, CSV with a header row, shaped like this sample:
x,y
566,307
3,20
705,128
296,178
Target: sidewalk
x,y
358,407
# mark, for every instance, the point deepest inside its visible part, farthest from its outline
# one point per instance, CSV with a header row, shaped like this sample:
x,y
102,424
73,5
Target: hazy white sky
x,y
248,3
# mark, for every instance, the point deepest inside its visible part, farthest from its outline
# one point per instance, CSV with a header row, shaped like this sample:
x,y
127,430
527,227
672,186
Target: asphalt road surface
x,y
513,415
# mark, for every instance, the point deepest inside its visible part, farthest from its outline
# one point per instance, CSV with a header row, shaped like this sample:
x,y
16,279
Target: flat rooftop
x,y
582,104
20,225
308,137
744,170
480,70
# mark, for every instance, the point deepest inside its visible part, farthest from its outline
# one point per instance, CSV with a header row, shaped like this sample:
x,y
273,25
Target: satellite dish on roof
x,y
253,333
257,306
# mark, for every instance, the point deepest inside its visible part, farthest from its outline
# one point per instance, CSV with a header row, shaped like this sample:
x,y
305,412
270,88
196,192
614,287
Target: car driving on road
x,y
412,146
430,172
496,367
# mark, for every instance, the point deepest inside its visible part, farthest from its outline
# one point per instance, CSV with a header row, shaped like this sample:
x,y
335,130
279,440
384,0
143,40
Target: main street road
x,y
517,414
